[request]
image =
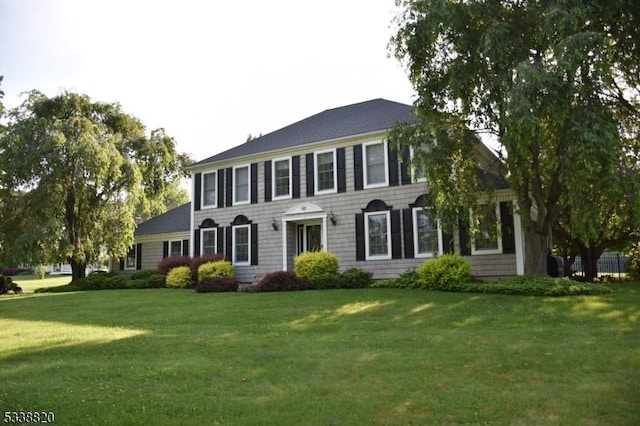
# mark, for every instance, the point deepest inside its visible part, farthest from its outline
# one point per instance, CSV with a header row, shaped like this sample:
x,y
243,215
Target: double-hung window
x,y
208,241
241,244
377,235
130,262
486,240
175,248
209,183
241,182
325,172
427,236
282,178
376,169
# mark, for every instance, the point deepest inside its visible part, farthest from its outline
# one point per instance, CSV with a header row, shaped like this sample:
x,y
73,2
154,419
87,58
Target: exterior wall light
x,y
332,218
274,223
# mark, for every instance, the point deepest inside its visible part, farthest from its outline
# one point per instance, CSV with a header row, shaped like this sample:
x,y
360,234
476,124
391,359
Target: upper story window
x,y
486,240
427,235
282,178
241,181
325,172
417,170
377,235
209,196
208,241
376,169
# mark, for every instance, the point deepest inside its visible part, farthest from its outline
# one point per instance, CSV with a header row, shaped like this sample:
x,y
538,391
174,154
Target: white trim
x,y
215,190
233,185
519,238
169,254
385,155
416,252
135,259
273,179
366,235
316,181
497,250
233,245
215,239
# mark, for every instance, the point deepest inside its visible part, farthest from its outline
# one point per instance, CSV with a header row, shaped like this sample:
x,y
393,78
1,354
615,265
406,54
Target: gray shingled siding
x,y
340,237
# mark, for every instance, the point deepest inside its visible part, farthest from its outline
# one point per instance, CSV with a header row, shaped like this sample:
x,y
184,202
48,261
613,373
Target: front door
x,y
309,237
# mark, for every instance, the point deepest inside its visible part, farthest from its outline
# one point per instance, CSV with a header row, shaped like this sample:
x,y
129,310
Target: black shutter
x,y
138,256
254,183
396,235
508,234
405,172
295,174
360,242
254,243
229,243
342,170
447,243
185,247
197,192
357,168
229,185
220,241
267,181
165,249
310,175
407,222
392,155
196,243
465,242
220,188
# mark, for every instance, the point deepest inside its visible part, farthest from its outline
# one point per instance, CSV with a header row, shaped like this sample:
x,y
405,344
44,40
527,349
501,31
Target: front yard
x,y
373,356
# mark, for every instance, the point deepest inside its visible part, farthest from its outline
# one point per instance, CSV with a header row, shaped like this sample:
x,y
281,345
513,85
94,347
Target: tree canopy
x,y
555,83
72,172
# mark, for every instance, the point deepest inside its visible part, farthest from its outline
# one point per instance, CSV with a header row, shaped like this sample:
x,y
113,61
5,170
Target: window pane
x,y
375,163
131,258
487,237
325,171
208,242
282,178
209,189
176,248
242,244
427,233
378,234
242,184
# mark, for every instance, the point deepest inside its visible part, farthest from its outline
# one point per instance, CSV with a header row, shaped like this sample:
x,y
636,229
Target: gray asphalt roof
x,y
176,220
360,118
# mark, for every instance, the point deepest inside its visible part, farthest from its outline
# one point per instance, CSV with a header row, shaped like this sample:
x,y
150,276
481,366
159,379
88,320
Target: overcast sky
x,y
209,72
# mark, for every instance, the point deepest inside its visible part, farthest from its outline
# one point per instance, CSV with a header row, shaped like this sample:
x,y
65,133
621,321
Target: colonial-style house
x,y
328,182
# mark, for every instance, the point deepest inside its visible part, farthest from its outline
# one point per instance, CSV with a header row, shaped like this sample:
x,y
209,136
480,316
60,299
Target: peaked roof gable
x,y
175,220
350,120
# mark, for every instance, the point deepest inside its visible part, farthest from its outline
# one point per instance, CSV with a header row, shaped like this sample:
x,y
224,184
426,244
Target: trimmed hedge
x,y
281,281
179,277
314,263
217,285
216,269
444,271
168,263
201,260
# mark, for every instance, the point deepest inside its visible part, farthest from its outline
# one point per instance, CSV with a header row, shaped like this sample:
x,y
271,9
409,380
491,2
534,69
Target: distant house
x,y
159,237
328,182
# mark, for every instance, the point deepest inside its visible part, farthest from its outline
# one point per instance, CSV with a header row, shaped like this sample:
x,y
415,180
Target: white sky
x,y
209,72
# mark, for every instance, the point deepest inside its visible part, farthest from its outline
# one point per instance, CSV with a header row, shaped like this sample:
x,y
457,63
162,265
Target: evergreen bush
x,y
314,263
179,277
216,269
443,271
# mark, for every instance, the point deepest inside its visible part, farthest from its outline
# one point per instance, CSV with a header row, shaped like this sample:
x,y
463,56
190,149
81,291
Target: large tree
x,y
555,83
73,171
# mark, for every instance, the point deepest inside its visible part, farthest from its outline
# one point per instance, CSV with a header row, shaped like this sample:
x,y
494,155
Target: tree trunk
x,y
78,270
590,256
536,248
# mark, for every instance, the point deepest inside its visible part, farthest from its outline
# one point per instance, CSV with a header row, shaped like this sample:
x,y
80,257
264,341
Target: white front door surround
x,y
303,213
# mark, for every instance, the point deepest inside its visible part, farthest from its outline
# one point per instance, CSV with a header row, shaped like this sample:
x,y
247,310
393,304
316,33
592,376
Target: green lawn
x,y
377,356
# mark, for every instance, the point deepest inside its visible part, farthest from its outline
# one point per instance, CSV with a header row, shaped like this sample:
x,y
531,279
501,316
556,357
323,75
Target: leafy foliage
x,y
281,281
179,277
351,278
634,268
200,260
168,263
314,263
217,285
444,271
146,279
217,269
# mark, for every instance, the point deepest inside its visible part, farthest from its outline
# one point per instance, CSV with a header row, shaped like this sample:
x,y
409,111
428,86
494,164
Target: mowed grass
x,y
376,356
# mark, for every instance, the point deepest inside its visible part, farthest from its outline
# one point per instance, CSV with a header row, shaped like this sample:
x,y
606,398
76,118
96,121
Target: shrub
x,y
106,281
443,271
179,277
217,284
355,278
217,269
40,271
408,279
168,263
325,281
201,260
314,263
147,280
634,267
282,281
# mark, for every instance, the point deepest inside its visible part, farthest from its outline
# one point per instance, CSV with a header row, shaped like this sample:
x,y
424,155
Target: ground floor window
x,y
377,232
241,244
486,240
427,237
208,241
175,248
130,259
